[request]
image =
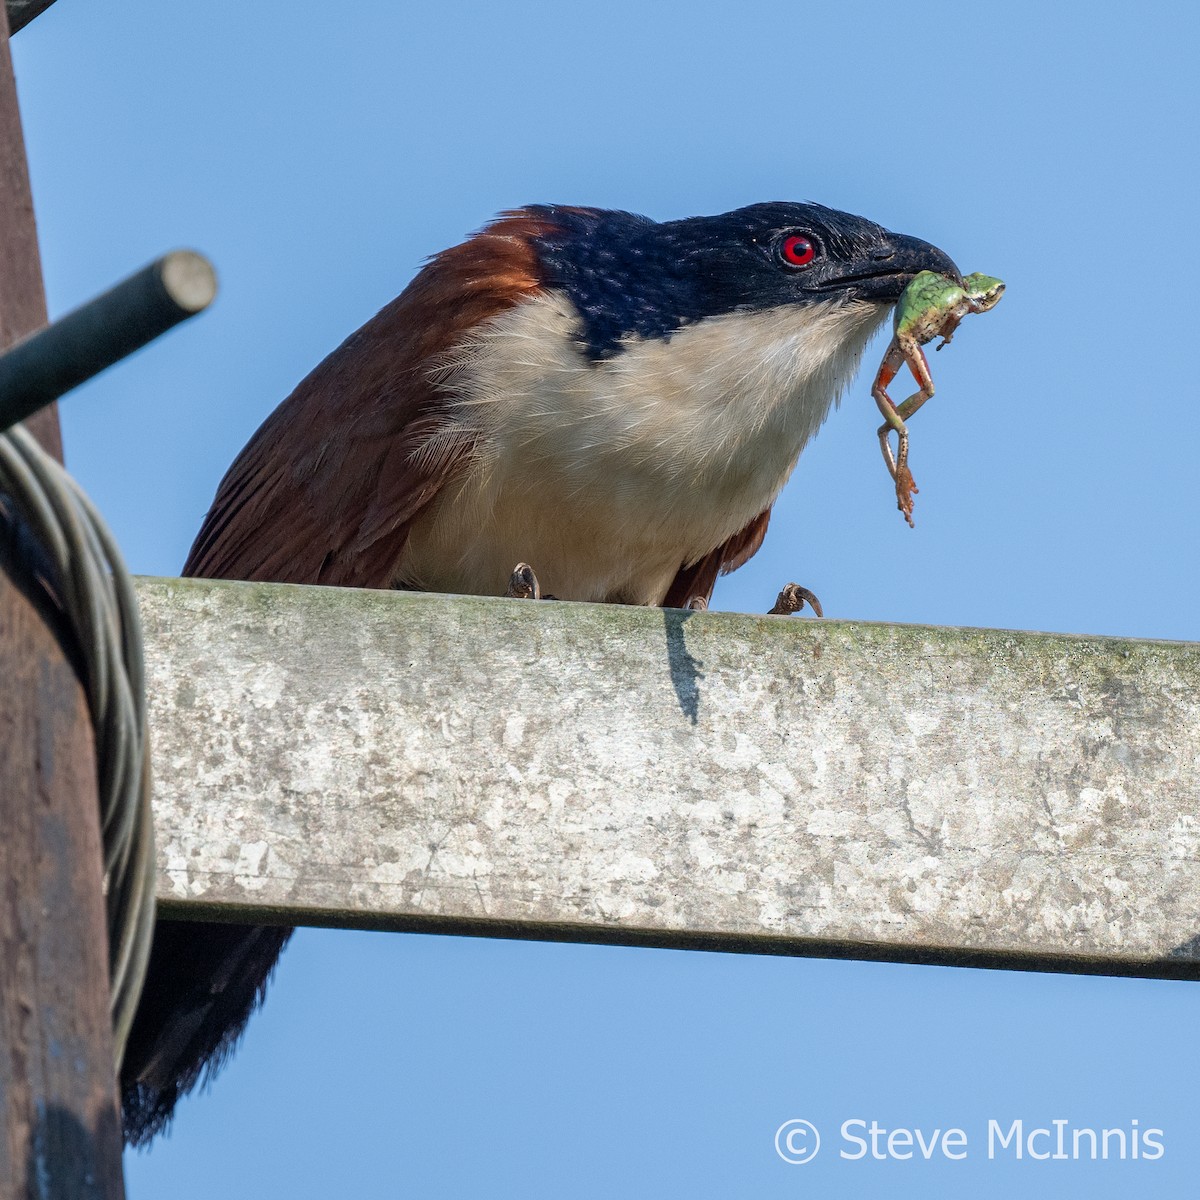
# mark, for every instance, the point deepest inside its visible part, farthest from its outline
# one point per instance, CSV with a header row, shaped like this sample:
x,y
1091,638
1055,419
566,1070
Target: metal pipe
x,y
49,363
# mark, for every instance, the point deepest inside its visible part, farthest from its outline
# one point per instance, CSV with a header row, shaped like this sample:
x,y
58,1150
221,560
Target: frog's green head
x,y
985,290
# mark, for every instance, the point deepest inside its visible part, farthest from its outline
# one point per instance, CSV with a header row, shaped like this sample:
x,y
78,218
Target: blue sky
x,y
318,153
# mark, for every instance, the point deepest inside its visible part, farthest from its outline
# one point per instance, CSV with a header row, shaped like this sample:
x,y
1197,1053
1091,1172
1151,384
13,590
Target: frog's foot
x,y
906,489
791,600
523,584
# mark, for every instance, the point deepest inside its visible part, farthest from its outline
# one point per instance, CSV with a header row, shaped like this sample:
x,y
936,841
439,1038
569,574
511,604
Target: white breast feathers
x,y
609,476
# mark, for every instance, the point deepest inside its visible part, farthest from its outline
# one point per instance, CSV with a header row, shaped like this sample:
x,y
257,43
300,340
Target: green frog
x,y
932,306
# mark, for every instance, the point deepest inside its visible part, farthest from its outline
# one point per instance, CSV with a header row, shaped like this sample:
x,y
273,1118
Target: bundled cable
x,y
61,541
64,543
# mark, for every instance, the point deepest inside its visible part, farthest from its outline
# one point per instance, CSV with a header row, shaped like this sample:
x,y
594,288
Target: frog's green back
x,y
928,293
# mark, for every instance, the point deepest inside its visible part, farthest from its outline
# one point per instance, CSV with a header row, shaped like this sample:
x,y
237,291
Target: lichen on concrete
x,y
615,773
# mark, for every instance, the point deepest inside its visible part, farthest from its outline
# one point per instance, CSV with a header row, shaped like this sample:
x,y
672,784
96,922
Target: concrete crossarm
x,y
597,773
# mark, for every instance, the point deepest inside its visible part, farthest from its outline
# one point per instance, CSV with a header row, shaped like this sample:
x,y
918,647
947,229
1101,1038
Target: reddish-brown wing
x,y
700,578
326,490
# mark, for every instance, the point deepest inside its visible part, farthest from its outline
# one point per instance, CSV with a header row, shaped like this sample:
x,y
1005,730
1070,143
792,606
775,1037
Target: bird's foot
x,y
697,604
906,489
523,584
791,600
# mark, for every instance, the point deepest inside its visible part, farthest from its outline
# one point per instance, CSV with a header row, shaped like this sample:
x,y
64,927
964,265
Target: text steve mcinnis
x,y
1058,1139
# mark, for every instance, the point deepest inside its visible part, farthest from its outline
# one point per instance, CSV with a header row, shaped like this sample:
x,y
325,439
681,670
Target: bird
x,y
613,401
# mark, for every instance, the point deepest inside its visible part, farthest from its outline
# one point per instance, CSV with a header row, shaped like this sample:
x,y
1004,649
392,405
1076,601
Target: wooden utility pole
x,y
59,1130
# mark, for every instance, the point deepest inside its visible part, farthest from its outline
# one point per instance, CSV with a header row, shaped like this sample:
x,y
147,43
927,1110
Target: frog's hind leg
x,y
895,416
918,364
893,360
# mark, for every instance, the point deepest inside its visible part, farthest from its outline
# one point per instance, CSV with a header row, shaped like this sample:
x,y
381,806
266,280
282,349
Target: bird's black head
x,y
628,275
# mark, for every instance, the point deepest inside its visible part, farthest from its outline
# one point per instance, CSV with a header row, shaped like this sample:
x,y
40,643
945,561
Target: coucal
x,y
615,401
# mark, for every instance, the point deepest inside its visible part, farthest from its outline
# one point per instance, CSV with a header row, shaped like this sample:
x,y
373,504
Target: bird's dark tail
x,y
203,983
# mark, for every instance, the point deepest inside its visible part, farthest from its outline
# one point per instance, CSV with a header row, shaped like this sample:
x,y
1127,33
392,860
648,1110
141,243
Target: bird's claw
x,y
791,600
697,604
523,584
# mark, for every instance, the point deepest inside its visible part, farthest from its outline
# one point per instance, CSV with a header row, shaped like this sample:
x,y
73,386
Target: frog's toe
x,y
906,489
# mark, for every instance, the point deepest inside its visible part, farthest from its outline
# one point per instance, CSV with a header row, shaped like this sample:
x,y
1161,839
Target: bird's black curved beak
x,y
886,270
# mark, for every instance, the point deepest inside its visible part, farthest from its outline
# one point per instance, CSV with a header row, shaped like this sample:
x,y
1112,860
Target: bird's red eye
x,y
798,251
